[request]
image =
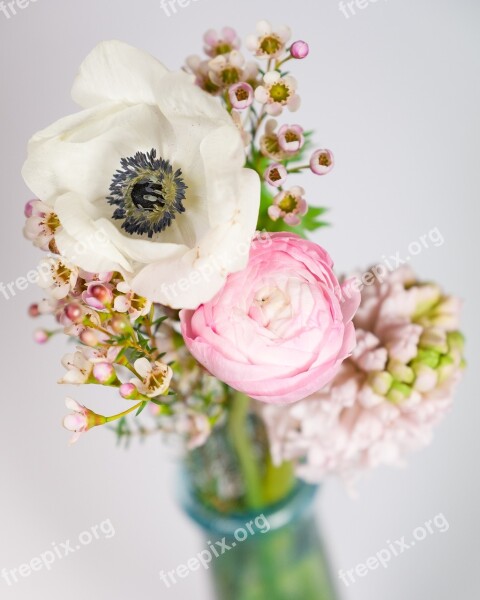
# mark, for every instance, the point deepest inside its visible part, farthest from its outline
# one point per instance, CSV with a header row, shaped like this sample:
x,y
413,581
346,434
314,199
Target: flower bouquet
x,y
178,261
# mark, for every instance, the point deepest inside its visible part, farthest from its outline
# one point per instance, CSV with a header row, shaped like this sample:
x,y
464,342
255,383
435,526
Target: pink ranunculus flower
x,y
280,329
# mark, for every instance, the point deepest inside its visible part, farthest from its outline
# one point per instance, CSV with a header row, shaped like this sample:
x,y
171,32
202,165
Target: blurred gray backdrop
x,y
394,90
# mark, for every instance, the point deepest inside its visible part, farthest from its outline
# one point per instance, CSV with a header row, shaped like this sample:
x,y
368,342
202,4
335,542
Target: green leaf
x,y
141,408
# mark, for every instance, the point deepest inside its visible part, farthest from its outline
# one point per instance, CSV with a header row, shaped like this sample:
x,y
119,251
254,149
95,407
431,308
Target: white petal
x,y
261,94
115,71
73,405
284,32
121,304
94,141
179,97
251,42
264,28
294,103
143,367
82,241
271,77
291,82
275,109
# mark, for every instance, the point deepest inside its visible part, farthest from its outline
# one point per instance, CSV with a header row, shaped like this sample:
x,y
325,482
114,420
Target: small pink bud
x,y
299,49
104,373
89,338
74,312
102,293
41,336
33,310
119,324
128,391
241,95
276,175
322,162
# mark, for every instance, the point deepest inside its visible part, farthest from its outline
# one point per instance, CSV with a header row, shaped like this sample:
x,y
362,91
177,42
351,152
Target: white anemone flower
x,y
148,180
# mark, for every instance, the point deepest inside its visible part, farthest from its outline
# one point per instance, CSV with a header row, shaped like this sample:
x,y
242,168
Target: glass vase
x,y
256,517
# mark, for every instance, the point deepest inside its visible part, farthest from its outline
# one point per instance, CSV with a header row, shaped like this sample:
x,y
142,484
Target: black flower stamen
x,y
148,193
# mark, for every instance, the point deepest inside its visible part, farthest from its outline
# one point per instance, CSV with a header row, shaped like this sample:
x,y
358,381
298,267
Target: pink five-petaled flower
x,y
278,92
41,225
79,368
201,70
241,95
129,302
289,205
155,377
267,42
221,43
322,162
57,276
281,328
276,174
227,69
291,138
270,143
81,420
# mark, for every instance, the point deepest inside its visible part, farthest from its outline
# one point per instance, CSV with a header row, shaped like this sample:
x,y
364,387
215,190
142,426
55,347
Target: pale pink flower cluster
x,y
388,397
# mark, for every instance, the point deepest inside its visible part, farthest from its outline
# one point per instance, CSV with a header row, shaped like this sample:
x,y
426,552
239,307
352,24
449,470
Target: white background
x,y
394,91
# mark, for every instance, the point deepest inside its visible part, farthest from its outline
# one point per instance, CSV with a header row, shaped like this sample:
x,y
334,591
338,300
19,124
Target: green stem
x,y
238,430
123,414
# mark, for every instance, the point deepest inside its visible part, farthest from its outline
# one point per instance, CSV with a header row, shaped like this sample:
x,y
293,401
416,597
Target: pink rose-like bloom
x,y
280,329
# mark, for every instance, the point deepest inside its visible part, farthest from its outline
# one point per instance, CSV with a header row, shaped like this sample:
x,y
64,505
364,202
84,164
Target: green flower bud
x,y
399,392
456,339
446,368
428,357
400,371
435,339
381,382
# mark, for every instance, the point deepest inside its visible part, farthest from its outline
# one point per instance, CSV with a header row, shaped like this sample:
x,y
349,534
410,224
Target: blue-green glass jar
x,y
271,546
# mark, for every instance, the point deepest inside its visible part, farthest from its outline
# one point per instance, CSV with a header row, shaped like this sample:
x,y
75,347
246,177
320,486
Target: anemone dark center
x,y
148,195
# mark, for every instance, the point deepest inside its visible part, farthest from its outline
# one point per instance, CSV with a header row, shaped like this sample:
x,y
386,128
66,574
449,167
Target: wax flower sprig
x,y
127,343
253,92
